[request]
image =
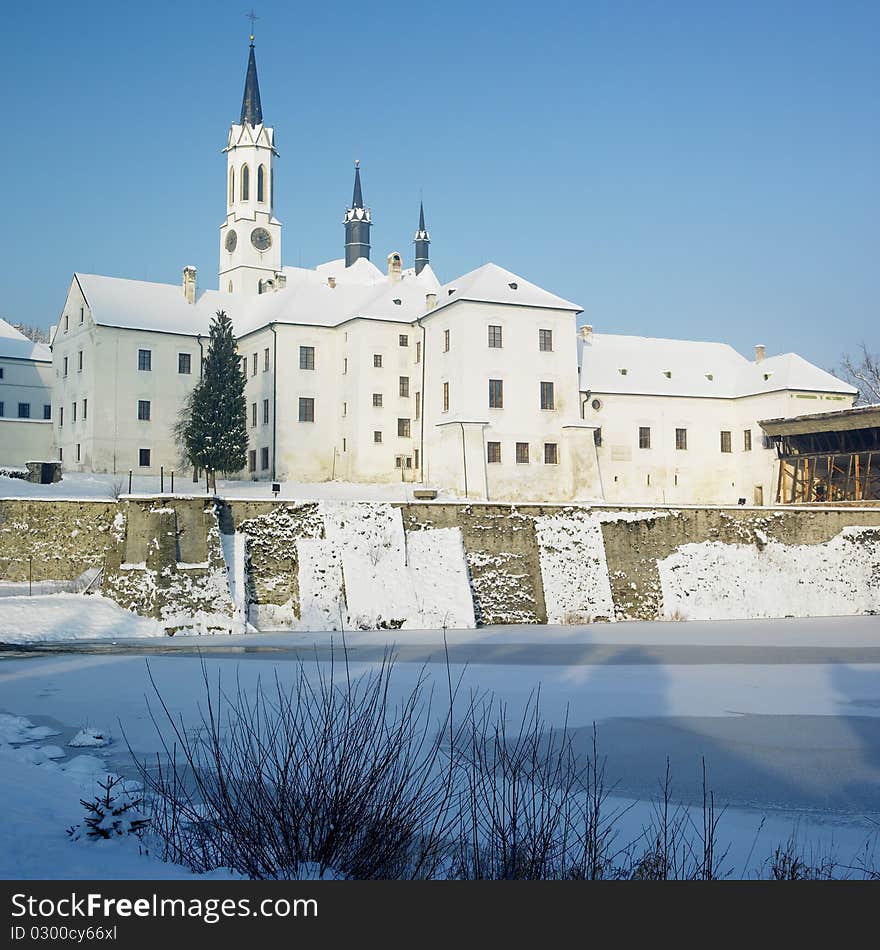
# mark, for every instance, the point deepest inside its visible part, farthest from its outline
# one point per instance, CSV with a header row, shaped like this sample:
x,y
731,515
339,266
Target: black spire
x,y
357,200
251,110
357,223
421,240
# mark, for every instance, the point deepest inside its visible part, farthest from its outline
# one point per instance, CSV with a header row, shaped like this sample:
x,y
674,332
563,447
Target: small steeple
x,y
251,110
357,200
357,223
421,240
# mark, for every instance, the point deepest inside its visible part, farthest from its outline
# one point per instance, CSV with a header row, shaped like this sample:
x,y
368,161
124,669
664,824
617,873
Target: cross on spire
x,y
253,18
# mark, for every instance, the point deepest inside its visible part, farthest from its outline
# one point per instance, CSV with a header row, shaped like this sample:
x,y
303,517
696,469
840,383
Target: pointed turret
x,y
421,240
251,110
357,223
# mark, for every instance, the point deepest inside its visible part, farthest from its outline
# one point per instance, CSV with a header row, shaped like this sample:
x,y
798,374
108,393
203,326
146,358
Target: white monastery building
x,y
25,398
368,375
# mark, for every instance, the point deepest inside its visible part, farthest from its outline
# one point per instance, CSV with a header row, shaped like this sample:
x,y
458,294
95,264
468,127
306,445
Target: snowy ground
x,y
63,617
98,487
786,714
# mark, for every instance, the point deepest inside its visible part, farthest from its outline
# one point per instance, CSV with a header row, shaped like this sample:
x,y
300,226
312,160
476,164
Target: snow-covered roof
x,y
359,291
493,284
614,363
15,345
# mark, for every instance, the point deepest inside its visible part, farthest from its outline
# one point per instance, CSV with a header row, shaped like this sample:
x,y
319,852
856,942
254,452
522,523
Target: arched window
x,y
245,183
231,185
261,179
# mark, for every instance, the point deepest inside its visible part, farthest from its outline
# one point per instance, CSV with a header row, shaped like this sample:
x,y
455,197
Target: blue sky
x,y
694,170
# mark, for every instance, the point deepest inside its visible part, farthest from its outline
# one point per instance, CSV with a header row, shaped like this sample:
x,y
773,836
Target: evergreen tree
x,y
213,423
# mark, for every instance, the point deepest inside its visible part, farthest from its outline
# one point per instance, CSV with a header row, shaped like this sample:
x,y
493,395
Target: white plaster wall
x,y
27,381
23,440
522,366
702,473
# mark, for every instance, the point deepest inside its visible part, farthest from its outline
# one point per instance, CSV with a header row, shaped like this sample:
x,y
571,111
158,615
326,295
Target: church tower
x,y
250,237
357,223
421,240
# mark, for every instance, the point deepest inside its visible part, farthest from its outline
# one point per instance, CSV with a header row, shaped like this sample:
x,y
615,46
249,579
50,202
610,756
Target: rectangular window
x,y
2,409
252,460
681,438
60,416
644,437
548,399
377,436
377,399
404,385
417,458
726,442
493,451
85,409
551,456
307,358
344,365
446,397
306,409
403,428
264,457
253,414
496,394
60,454
265,412
243,366
65,365
445,341
254,359
143,410
522,452
345,409
66,323
597,437
377,360
79,361
747,440
266,360
418,405
145,362
545,341
494,336
403,339
47,411
184,364
144,458
77,452
82,314
73,416
24,410
345,445
418,351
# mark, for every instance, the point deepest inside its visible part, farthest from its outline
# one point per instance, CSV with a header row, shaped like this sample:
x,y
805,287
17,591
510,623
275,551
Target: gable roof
x,y
660,367
493,284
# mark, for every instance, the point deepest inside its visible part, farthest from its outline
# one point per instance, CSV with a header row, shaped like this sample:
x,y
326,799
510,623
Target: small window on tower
x,y
261,183
245,182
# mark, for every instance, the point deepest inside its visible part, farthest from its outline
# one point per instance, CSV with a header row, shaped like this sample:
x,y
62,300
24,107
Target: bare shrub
x,y
319,772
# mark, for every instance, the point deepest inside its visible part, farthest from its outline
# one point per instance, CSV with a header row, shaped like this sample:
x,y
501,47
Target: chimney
x,y
760,352
586,333
189,284
280,281
331,282
430,301
394,266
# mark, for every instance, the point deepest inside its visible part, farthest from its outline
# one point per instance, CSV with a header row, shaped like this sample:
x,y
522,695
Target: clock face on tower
x,y
261,239
231,240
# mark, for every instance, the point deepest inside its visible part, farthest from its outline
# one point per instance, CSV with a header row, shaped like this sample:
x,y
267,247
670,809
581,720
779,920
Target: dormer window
x,y
396,301
767,376
450,292
513,285
622,372
667,373
710,376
